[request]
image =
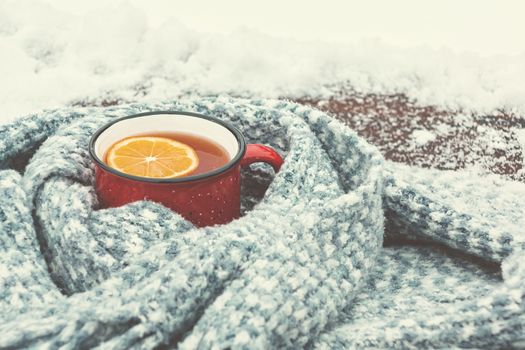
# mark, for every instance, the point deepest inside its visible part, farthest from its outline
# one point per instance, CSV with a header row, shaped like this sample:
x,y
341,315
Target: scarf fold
x,y
304,266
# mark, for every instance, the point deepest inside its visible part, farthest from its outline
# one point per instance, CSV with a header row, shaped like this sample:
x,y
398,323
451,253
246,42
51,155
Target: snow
x,y
422,137
446,23
56,53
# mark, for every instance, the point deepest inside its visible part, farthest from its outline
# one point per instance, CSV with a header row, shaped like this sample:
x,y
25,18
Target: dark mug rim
x,y
234,161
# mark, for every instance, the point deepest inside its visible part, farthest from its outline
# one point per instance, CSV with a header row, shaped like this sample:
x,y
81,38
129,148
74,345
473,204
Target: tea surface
x,y
211,155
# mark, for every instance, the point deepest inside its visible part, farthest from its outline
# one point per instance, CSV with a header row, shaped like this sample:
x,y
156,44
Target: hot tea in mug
x,y
166,155
186,161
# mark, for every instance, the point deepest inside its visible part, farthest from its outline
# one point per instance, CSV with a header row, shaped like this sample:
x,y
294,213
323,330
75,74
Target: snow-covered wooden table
x,y
432,137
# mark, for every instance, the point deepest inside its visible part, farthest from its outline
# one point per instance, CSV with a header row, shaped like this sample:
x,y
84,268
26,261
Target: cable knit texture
x,y
304,267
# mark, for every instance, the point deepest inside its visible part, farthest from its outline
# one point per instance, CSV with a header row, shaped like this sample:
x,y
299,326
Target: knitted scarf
x,y
304,267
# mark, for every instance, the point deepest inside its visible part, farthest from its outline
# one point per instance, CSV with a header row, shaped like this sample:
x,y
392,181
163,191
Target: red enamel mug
x,y
210,198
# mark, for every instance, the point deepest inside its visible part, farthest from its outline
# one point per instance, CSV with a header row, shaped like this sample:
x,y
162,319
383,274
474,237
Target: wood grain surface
x,y
461,139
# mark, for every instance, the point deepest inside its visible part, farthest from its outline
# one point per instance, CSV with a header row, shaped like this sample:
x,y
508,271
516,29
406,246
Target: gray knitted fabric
x,y
304,267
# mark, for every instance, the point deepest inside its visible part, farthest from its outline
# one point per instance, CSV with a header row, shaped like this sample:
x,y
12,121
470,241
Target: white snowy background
x,y
467,55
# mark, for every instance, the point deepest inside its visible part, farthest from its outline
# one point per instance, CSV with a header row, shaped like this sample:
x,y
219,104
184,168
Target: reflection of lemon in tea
x,y
151,156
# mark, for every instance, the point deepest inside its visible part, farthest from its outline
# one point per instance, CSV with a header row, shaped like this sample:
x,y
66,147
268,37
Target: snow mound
x,y
51,57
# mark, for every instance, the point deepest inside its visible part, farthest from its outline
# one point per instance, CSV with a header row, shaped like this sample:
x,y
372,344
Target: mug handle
x,y
260,153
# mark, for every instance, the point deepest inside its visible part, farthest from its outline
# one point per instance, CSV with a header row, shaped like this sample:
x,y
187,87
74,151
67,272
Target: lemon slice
x,y
151,156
